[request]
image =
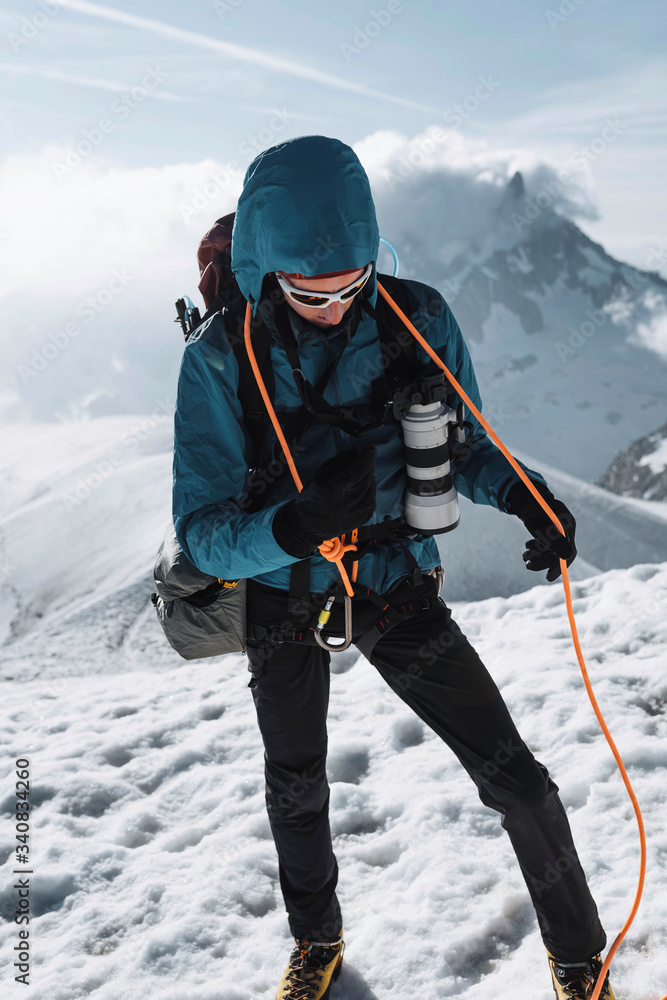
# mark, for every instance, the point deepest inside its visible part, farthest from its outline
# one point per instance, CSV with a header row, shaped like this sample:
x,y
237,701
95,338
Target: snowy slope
x,y
483,555
85,506
155,873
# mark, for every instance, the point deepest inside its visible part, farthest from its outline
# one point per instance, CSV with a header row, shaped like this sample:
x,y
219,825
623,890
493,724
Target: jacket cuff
x,y
518,499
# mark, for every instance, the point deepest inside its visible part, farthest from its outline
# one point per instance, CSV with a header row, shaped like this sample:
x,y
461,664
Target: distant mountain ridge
x,y
560,332
548,248
640,470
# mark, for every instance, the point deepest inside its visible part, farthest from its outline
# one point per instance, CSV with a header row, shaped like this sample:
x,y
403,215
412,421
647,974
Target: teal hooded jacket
x,y
306,207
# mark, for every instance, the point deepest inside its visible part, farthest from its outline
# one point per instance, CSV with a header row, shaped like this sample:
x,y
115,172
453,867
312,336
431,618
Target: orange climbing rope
x,y
333,549
575,638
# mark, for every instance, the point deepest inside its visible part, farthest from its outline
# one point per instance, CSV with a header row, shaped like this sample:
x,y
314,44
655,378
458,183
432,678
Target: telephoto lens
x,y
431,502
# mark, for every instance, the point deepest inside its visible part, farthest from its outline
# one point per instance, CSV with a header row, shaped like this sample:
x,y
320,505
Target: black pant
x,y
430,664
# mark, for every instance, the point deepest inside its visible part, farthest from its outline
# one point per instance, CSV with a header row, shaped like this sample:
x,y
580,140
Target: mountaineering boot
x,y
313,966
577,981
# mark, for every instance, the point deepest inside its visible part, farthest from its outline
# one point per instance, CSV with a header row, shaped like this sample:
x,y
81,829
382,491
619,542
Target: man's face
x,y
334,312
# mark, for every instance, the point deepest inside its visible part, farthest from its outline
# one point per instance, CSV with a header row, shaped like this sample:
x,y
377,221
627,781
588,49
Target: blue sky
x,y
232,76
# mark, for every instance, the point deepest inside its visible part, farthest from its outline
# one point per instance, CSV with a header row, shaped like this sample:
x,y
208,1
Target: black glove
x,y
340,497
550,545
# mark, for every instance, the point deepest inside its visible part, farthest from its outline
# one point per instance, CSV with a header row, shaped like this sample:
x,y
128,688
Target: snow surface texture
x,y
155,871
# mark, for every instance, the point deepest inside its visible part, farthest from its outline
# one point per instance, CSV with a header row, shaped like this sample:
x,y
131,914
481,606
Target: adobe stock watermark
x,y
59,341
579,335
220,179
551,191
565,11
120,109
504,753
225,7
31,26
657,257
377,21
104,468
553,872
286,803
596,319
6,570
461,111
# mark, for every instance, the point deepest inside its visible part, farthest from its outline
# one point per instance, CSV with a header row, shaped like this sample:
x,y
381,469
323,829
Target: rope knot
x,y
334,549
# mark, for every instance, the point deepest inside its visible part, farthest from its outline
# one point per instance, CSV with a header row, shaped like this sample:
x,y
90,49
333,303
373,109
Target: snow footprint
x,y
408,732
209,713
350,812
348,764
138,829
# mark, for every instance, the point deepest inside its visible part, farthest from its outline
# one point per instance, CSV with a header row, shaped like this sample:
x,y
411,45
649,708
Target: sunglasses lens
x,y
357,288
353,291
308,300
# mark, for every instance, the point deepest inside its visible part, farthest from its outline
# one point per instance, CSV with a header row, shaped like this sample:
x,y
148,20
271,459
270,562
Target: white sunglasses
x,y
316,300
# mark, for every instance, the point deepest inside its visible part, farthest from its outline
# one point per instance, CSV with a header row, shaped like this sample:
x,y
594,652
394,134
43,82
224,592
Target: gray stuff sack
x,y
199,614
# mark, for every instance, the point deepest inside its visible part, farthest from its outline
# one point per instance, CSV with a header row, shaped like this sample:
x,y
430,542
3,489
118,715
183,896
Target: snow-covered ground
x,y
154,869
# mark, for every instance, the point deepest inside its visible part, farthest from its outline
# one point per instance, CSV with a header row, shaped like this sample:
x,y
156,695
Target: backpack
x,y
199,614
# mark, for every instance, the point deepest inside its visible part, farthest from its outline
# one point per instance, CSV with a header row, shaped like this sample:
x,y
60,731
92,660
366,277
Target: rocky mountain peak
x,y
640,470
516,186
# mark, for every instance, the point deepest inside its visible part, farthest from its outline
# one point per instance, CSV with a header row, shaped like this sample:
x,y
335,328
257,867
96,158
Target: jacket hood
x,y
306,207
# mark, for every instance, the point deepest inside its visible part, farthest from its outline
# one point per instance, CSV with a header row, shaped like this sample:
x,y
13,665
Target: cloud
x,y
92,266
110,249
390,157
447,185
100,216
238,52
653,335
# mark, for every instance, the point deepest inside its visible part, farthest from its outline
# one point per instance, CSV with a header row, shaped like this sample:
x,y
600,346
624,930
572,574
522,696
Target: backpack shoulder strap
x,y
399,349
255,417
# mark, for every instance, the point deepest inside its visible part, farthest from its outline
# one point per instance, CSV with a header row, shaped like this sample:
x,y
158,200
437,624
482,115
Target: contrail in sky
x,y
238,52
23,69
